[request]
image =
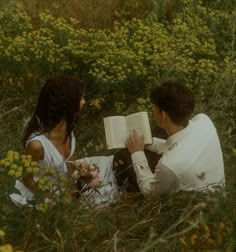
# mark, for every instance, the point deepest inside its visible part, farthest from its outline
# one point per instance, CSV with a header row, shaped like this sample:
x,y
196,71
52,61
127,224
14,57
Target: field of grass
x,y
182,222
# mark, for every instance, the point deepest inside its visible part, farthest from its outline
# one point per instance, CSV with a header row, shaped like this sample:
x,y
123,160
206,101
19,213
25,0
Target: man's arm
x,y
156,146
161,182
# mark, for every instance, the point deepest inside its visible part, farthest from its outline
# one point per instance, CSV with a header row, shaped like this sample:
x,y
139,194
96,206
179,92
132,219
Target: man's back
x,y
194,154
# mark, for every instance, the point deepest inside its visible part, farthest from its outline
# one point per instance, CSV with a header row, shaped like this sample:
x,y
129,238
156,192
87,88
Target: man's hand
x,y
135,142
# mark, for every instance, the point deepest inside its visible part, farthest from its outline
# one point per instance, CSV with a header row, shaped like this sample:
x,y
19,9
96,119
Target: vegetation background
x,y
122,49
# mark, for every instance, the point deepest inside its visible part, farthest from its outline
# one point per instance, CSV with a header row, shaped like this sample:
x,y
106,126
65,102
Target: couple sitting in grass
x,y
185,153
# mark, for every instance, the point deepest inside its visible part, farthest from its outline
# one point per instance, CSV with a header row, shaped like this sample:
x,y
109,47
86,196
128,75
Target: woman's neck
x,y
59,132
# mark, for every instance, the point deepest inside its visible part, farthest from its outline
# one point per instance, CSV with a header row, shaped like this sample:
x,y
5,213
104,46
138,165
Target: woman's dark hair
x,y
175,99
59,99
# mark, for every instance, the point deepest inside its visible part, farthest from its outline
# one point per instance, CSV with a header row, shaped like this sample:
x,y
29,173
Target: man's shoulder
x,y
201,117
202,122
193,144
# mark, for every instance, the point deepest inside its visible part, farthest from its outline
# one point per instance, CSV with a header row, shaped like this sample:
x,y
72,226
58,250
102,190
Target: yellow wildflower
x,y
16,156
42,187
29,169
2,233
26,163
19,169
13,166
63,181
33,163
6,163
50,170
10,153
11,173
6,248
35,170
50,184
42,207
18,174
46,169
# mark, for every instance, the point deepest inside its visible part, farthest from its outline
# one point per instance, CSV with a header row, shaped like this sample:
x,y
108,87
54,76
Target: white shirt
x,y
192,158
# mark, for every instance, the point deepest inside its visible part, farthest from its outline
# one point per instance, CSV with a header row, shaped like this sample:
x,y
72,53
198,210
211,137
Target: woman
x,y
49,136
50,140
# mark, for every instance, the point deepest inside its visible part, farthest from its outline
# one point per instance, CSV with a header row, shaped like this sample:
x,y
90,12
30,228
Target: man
x,y
191,156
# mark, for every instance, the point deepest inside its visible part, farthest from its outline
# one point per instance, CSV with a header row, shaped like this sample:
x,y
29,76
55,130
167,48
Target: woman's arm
x,y
35,149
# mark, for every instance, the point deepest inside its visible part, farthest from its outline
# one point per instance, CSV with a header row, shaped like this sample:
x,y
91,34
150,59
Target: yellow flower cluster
x,y
63,182
14,19
5,247
42,207
2,233
17,165
51,180
49,170
45,184
53,184
137,52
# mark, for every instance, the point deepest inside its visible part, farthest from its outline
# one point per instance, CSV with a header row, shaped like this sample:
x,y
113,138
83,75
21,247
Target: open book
x,y
118,128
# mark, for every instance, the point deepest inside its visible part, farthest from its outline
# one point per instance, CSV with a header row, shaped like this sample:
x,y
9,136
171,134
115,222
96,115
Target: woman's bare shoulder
x,y
35,149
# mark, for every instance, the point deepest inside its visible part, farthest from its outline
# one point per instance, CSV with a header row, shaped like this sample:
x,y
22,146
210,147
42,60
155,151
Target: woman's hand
x,y
135,142
87,172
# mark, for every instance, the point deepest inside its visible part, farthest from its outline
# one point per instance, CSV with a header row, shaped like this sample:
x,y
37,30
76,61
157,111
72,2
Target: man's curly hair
x,y
175,99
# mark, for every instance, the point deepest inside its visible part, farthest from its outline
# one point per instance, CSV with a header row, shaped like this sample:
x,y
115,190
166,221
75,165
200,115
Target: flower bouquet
x,y
86,175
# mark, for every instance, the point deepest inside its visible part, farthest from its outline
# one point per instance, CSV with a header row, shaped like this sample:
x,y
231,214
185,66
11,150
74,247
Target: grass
x,y
182,222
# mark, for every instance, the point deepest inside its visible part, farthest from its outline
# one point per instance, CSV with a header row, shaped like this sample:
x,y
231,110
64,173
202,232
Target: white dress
x,y
53,158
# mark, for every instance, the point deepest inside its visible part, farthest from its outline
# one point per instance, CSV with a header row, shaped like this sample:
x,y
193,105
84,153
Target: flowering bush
x,y
15,166
132,56
50,187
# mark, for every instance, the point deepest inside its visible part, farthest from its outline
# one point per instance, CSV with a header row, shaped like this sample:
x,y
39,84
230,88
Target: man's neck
x,y
172,128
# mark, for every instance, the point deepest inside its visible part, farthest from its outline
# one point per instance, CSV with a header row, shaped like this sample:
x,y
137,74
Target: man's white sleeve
x,y
161,182
157,145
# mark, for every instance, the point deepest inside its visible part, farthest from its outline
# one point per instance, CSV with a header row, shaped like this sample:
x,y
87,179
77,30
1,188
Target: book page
x,y
140,122
116,131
